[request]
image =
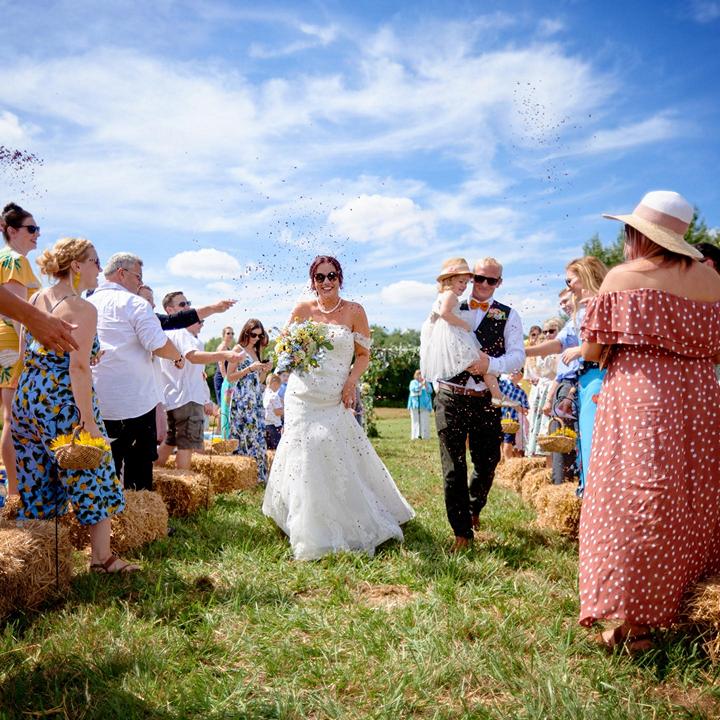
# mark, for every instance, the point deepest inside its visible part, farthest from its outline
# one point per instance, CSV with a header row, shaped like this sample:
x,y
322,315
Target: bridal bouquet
x,y
301,347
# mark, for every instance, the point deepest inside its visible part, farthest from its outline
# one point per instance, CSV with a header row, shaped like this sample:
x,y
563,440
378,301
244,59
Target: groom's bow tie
x,y
475,304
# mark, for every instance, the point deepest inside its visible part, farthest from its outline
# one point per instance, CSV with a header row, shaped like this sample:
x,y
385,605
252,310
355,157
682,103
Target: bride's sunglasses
x,y
331,276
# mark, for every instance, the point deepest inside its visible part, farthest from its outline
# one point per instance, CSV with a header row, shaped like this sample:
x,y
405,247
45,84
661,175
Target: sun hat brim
x,y
663,237
445,275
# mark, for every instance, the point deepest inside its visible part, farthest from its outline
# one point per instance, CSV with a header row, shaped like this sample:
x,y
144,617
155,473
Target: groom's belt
x,y
460,390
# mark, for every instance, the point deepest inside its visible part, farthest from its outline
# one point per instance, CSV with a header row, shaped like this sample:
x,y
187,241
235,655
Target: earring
x,y
76,281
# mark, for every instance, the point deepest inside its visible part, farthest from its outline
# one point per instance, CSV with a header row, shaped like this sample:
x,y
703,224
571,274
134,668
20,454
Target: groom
x,y
463,407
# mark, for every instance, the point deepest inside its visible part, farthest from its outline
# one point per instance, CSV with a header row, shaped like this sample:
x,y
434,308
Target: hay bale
x,y
144,519
227,473
184,492
27,564
11,509
702,607
559,509
218,446
78,534
510,473
533,481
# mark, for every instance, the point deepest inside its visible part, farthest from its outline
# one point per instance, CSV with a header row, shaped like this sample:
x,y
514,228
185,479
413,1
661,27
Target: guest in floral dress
x,y
247,415
650,522
54,393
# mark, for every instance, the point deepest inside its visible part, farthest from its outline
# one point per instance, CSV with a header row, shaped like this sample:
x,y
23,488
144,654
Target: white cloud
x,y
409,293
551,26
375,218
653,129
205,263
12,131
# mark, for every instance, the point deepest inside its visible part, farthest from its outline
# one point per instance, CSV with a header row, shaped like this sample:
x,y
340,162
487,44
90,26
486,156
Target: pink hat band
x,y
669,222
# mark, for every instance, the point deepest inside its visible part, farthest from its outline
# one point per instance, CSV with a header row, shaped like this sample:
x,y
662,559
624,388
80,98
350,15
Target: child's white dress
x,y
446,350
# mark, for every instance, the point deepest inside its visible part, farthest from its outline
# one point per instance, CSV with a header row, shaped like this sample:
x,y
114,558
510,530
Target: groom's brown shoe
x,y
460,543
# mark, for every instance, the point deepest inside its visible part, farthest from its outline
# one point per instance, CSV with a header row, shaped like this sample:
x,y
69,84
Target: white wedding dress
x,y
328,490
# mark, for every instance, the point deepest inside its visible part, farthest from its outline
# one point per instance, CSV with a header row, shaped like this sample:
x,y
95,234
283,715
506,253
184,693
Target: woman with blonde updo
x,y
21,235
55,394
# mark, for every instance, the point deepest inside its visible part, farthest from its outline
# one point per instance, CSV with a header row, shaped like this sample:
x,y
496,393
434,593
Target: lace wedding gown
x,y
327,489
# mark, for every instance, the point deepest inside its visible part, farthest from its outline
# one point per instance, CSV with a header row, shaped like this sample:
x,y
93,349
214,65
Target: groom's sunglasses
x,y
331,276
491,281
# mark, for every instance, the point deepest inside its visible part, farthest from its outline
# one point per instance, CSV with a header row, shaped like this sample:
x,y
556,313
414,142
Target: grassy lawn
x,y
223,624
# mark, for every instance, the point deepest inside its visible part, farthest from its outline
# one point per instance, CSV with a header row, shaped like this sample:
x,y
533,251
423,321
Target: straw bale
x,y
559,509
533,481
79,534
144,519
183,491
11,509
27,563
702,607
227,473
218,446
510,473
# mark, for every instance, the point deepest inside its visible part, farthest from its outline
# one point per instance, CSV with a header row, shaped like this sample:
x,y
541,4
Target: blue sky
x,y
227,143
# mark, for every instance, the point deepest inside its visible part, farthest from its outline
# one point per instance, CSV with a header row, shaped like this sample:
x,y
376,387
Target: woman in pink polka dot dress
x,y
650,523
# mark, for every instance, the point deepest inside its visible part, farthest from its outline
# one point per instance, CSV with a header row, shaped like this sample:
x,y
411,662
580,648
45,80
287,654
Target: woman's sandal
x,y
632,644
114,565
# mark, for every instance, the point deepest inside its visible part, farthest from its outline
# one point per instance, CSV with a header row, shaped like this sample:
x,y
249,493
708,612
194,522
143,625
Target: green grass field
x,y
222,623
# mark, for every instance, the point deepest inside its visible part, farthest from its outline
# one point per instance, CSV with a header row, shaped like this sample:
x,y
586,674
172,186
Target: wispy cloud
x,y
705,11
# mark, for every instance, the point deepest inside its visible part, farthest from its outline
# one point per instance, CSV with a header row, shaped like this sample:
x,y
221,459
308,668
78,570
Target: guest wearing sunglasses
x,y
227,342
463,405
578,382
545,370
181,314
247,414
127,390
21,235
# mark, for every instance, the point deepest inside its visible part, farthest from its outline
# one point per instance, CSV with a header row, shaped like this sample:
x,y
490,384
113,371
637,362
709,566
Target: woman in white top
x,y
328,490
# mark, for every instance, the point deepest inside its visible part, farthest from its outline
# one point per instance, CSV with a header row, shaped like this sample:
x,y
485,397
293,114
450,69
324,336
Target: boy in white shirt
x,y
187,396
273,405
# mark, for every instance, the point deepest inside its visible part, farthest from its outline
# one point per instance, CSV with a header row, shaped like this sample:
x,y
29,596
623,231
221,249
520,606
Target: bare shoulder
x,y
357,317
302,310
624,277
79,309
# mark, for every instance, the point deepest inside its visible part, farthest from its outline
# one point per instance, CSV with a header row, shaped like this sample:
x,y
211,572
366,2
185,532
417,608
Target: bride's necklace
x,y
327,312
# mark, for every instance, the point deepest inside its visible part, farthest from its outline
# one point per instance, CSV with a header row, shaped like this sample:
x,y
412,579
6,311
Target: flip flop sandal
x,y
104,568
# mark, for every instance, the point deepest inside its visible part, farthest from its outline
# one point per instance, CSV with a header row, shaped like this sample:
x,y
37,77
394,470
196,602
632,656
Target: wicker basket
x,y
78,457
221,447
556,443
509,426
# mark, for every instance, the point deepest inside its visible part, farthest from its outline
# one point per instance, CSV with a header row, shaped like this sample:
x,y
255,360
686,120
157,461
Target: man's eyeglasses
x,y
132,272
491,281
32,229
331,276
184,303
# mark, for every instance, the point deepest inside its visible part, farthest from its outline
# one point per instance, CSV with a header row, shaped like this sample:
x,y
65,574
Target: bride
x,y
327,489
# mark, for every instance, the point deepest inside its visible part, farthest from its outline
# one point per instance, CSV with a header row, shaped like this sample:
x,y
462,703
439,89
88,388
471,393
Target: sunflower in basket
x,y
79,450
509,425
561,440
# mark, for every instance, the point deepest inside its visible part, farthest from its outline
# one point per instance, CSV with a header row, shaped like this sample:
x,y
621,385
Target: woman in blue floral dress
x,y
247,415
54,393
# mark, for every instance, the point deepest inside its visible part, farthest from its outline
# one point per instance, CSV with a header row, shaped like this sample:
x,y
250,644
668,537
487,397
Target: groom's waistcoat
x,y
490,334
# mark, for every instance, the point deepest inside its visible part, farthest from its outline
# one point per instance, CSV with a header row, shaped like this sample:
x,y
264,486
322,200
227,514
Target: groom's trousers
x,y
462,419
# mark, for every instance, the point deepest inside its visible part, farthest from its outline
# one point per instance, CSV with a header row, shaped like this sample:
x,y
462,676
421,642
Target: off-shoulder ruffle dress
x,y
650,522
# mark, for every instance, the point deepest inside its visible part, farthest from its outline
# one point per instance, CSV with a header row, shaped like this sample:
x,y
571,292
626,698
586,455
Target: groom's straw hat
x,y
663,217
454,266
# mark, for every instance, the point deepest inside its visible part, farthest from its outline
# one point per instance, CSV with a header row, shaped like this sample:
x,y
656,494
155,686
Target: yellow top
x,y
14,266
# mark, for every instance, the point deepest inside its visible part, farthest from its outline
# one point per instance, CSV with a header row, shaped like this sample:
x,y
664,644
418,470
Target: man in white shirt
x,y
129,332
187,396
463,407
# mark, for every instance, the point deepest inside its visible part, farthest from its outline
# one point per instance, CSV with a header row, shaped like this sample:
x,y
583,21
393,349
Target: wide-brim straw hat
x,y
663,216
457,266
